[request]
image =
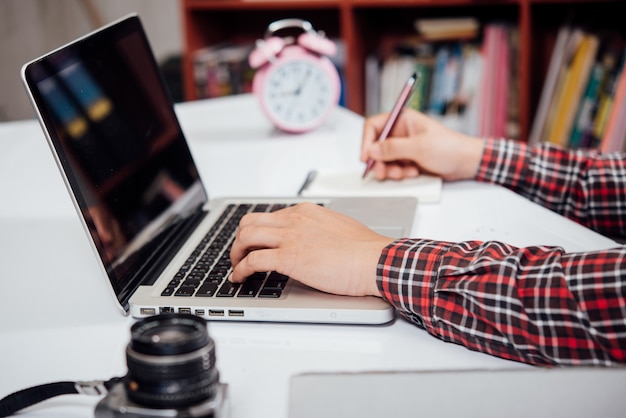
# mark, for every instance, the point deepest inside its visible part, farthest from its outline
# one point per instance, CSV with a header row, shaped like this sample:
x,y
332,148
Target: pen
x,y
395,113
307,181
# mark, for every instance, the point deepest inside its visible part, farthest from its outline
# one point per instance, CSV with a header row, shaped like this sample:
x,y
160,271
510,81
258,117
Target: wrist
x,y
371,283
472,156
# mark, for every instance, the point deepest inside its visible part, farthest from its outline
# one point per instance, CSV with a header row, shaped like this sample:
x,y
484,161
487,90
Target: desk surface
x,y
59,322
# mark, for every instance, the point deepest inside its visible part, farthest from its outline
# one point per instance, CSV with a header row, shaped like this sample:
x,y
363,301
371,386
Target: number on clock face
x,y
298,92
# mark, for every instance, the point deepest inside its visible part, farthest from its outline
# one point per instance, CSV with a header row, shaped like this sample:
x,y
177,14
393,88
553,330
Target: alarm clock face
x,y
299,93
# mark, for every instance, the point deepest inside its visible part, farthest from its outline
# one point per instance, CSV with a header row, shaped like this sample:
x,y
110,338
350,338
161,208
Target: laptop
x,y
483,393
161,243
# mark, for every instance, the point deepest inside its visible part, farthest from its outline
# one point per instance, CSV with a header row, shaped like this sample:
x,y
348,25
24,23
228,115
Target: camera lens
x,y
171,362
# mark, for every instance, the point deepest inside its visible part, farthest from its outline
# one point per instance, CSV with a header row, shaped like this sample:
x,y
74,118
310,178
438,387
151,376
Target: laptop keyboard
x,y
205,271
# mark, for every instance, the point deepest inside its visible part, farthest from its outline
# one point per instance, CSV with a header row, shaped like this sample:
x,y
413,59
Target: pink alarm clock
x,y
296,83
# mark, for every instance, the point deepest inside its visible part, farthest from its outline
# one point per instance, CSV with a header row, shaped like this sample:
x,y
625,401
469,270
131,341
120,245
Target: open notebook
x,y
426,188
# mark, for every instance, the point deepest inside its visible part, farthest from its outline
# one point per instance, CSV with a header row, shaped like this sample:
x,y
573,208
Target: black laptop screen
x,y
114,131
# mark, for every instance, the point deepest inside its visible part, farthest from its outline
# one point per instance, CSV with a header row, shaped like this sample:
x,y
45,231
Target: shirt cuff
x,y
503,162
406,277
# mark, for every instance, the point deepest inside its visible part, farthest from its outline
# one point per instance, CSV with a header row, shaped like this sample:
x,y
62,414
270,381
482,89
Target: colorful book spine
x,y
572,45
615,131
437,104
419,99
550,85
487,85
584,117
575,79
605,105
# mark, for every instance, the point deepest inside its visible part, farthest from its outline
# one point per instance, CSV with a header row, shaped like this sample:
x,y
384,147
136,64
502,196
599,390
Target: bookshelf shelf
x,y
367,27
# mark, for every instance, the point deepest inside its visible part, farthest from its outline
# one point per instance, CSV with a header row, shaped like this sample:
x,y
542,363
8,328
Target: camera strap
x,y
28,397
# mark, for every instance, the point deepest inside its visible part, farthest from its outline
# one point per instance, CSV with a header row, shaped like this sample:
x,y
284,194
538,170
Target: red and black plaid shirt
x,y
537,305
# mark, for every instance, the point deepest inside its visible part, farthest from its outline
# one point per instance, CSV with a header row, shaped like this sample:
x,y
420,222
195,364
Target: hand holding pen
x,y
394,114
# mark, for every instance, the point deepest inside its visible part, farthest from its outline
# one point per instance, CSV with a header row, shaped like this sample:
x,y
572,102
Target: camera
x,y
171,372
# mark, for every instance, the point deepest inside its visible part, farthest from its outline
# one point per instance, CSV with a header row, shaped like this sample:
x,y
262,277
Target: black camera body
x,y
171,373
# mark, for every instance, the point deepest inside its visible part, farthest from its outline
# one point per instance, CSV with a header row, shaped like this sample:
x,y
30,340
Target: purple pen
x,y
395,113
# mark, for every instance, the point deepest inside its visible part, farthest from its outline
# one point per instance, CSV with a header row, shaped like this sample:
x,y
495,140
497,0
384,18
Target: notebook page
x,y
348,183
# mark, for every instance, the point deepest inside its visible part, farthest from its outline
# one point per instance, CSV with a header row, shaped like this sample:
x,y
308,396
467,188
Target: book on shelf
x,y
583,122
420,97
222,70
513,128
339,61
614,134
494,83
574,40
596,99
574,78
601,102
566,43
467,83
455,28
583,100
372,81
393,76
446,78
605,103
385,80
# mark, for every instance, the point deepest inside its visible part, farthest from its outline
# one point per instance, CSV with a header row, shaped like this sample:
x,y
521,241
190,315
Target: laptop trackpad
x,y
389,231
389,216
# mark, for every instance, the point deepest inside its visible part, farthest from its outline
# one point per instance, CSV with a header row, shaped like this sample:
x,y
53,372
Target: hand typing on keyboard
x,y
314,245
205,271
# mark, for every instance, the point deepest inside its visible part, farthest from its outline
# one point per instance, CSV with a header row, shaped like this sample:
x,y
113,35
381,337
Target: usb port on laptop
x,y
147,311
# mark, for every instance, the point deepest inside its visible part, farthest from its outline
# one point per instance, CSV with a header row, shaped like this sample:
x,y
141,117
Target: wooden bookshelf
x,y
365,25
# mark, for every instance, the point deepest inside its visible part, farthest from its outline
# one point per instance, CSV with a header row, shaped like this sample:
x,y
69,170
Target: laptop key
x,y
192,282
275,284
208,289
270,292
218,274
250,288
168,291
185,291
228,289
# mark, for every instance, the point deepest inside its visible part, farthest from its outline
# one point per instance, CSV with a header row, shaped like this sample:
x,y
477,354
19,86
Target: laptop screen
x,y
117,140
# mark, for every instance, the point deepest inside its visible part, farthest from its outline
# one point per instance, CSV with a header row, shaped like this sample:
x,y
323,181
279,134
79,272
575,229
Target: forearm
x,y
585,186
535,305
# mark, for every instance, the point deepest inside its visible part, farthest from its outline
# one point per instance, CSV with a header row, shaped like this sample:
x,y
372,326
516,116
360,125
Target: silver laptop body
x,y
111,126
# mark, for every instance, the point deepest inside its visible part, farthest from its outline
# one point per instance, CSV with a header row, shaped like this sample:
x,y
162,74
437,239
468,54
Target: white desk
x,y
58,320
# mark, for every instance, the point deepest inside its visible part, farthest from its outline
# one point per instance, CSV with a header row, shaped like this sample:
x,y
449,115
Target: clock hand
x,y
302,84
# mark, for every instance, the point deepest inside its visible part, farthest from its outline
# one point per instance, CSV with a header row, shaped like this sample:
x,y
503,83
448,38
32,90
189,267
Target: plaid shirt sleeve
x,y
536,305
586,186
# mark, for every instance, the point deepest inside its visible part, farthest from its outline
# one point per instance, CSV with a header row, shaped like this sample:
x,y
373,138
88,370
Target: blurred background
x,y
30,28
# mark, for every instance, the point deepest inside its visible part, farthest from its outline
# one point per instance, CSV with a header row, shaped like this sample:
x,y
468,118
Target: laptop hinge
x,y
161,251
